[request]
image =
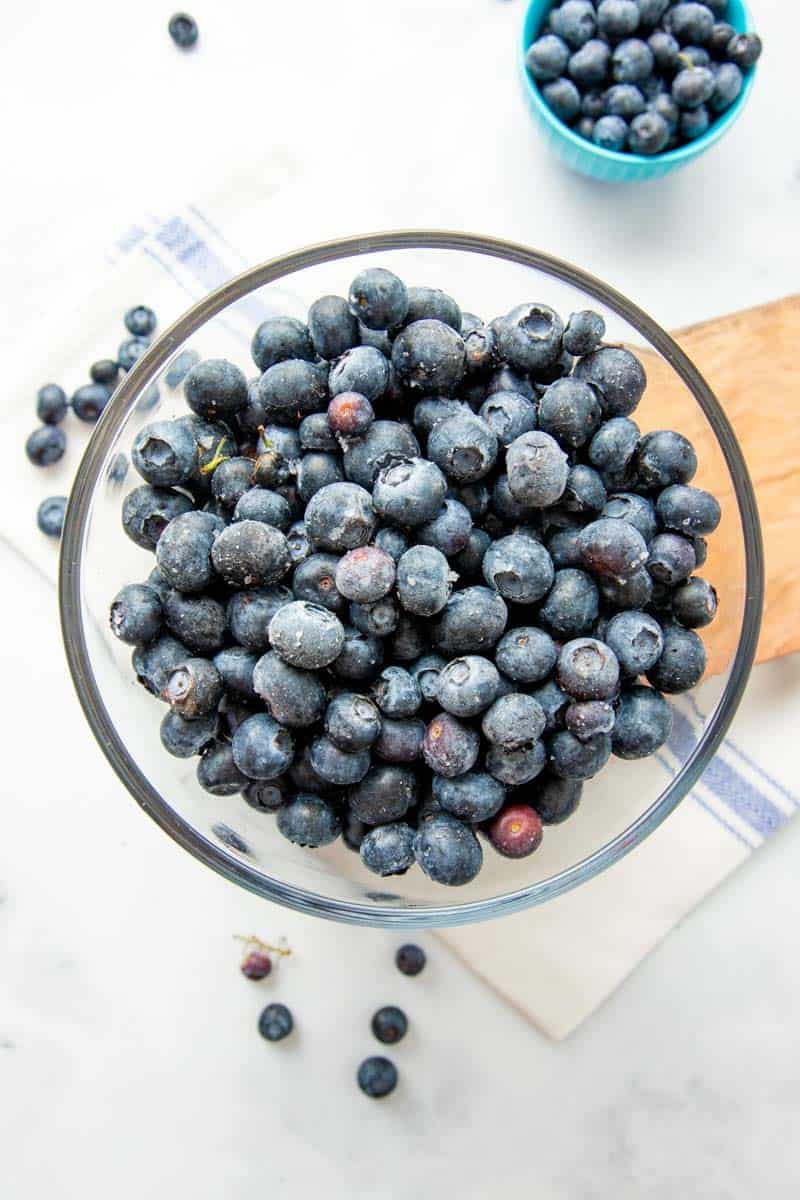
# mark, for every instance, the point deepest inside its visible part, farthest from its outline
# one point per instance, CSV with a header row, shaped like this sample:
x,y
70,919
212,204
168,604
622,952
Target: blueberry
x,y
571,758
671,558
362,369
306,635
554,704
688,510
447,850
612,549
378,299
249,614
429,355
183,550
193,688
516,767
136,614
623,100
290,390
507,415
164,453
377,1077
468,685
721,35
592,106
410,959
570,411
50,515
235,665
610,133
617,375
396,692
695,56
309,821
537,469
130,351
51,404
424,581
473,620
430,410
384,441
516,831
589,65
692,86
690,23
682,662
104,371
185,739
728,84
547,58
665,50
519,568
278,339
384,794
506,506
184,32
360,658
336,766
350,414
584,330
340,517
648,134
140,321
529,337
352,722
617,18
332,327
179,367
572,604
230,480
390,1024
388,850
694,122
146,512
587,718
556,799
479,348
197,621
392,541
651,11
694,604
564,99
214,442
637,510
636,640
294,697
400,741
526,654
409,491
449,530
585,492
46,445
217,773
262,749
612,451
314,580
643,724
632,61
426,671
431,303
562,546
409,640
249,552
514,721
376,620
261,504
574,21
744,50
450,748
468,562
506,380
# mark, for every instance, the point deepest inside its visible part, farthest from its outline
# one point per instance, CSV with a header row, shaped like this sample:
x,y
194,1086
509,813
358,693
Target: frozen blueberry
x,y
506,380
612,549
479,348
426,671
447,850
261,504
217,773
562,546
671,558
184,33
362,369
46,445
649,134
449,530
409,491
376,620
51,404
469,561
179,367
529,337
571,758
214,441
385,794
130,351
146,512
636,640
617,375
377,1077
185,739
352,722
360,658
610,133
637,510
643,724
194,688
547,58
450,748
688,510
744,49
589,65
197,621
294,697
249,614
384,441
50,515
314,580
588,669
572,604
555,798
400,741
309,821
612,451
393,541
586,718
526,654
336,766
410,959
617,18
516,831
388,850
235,665
514,721
665,457
183,550
690,23
466,686
378,299
332,327
692,86
249,552
396,692
424,580
473,620
507,415
472,797
728,84
350,414
306,635
682,662
164,453
365,575
553,702
516,767
694,604
429,355
278,339
215,388
537,469
340,517
136,614
291,389
585,492
519,568
665,50
430,410
262,749
570,411
584,332
230,480
432,303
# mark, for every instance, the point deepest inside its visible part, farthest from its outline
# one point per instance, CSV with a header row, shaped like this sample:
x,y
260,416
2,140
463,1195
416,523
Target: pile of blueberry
x,y
641,76
47,443
414,566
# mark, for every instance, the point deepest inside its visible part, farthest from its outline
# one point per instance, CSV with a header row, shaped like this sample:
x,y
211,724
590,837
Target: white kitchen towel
x,y
556,963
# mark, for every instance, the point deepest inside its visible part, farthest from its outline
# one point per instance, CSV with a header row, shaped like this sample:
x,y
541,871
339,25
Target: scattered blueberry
x,y
377,1077
51,404
410,959
184,32
46,445
275,1022
50,515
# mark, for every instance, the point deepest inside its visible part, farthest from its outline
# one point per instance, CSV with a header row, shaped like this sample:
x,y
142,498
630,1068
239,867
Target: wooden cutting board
x,y
750,361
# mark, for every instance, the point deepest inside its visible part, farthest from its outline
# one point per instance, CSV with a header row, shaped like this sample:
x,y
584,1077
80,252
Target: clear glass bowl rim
x,y
216,857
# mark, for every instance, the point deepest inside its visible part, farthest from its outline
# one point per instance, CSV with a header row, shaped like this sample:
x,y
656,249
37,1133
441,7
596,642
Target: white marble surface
x,y
128,1058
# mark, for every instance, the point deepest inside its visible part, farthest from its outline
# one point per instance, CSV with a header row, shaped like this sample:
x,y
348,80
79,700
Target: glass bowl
x,y
620,808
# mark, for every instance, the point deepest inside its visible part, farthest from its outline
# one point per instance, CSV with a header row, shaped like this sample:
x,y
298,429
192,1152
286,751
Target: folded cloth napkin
x,y
556,963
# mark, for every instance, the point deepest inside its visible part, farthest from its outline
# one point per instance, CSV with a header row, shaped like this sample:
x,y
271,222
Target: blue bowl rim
x,y
672,158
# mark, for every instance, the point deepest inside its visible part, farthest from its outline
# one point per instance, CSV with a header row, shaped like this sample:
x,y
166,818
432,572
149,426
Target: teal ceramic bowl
x,y
610,165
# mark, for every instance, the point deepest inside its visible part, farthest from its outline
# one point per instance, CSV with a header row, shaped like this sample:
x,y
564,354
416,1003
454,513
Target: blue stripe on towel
x,y
712,812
